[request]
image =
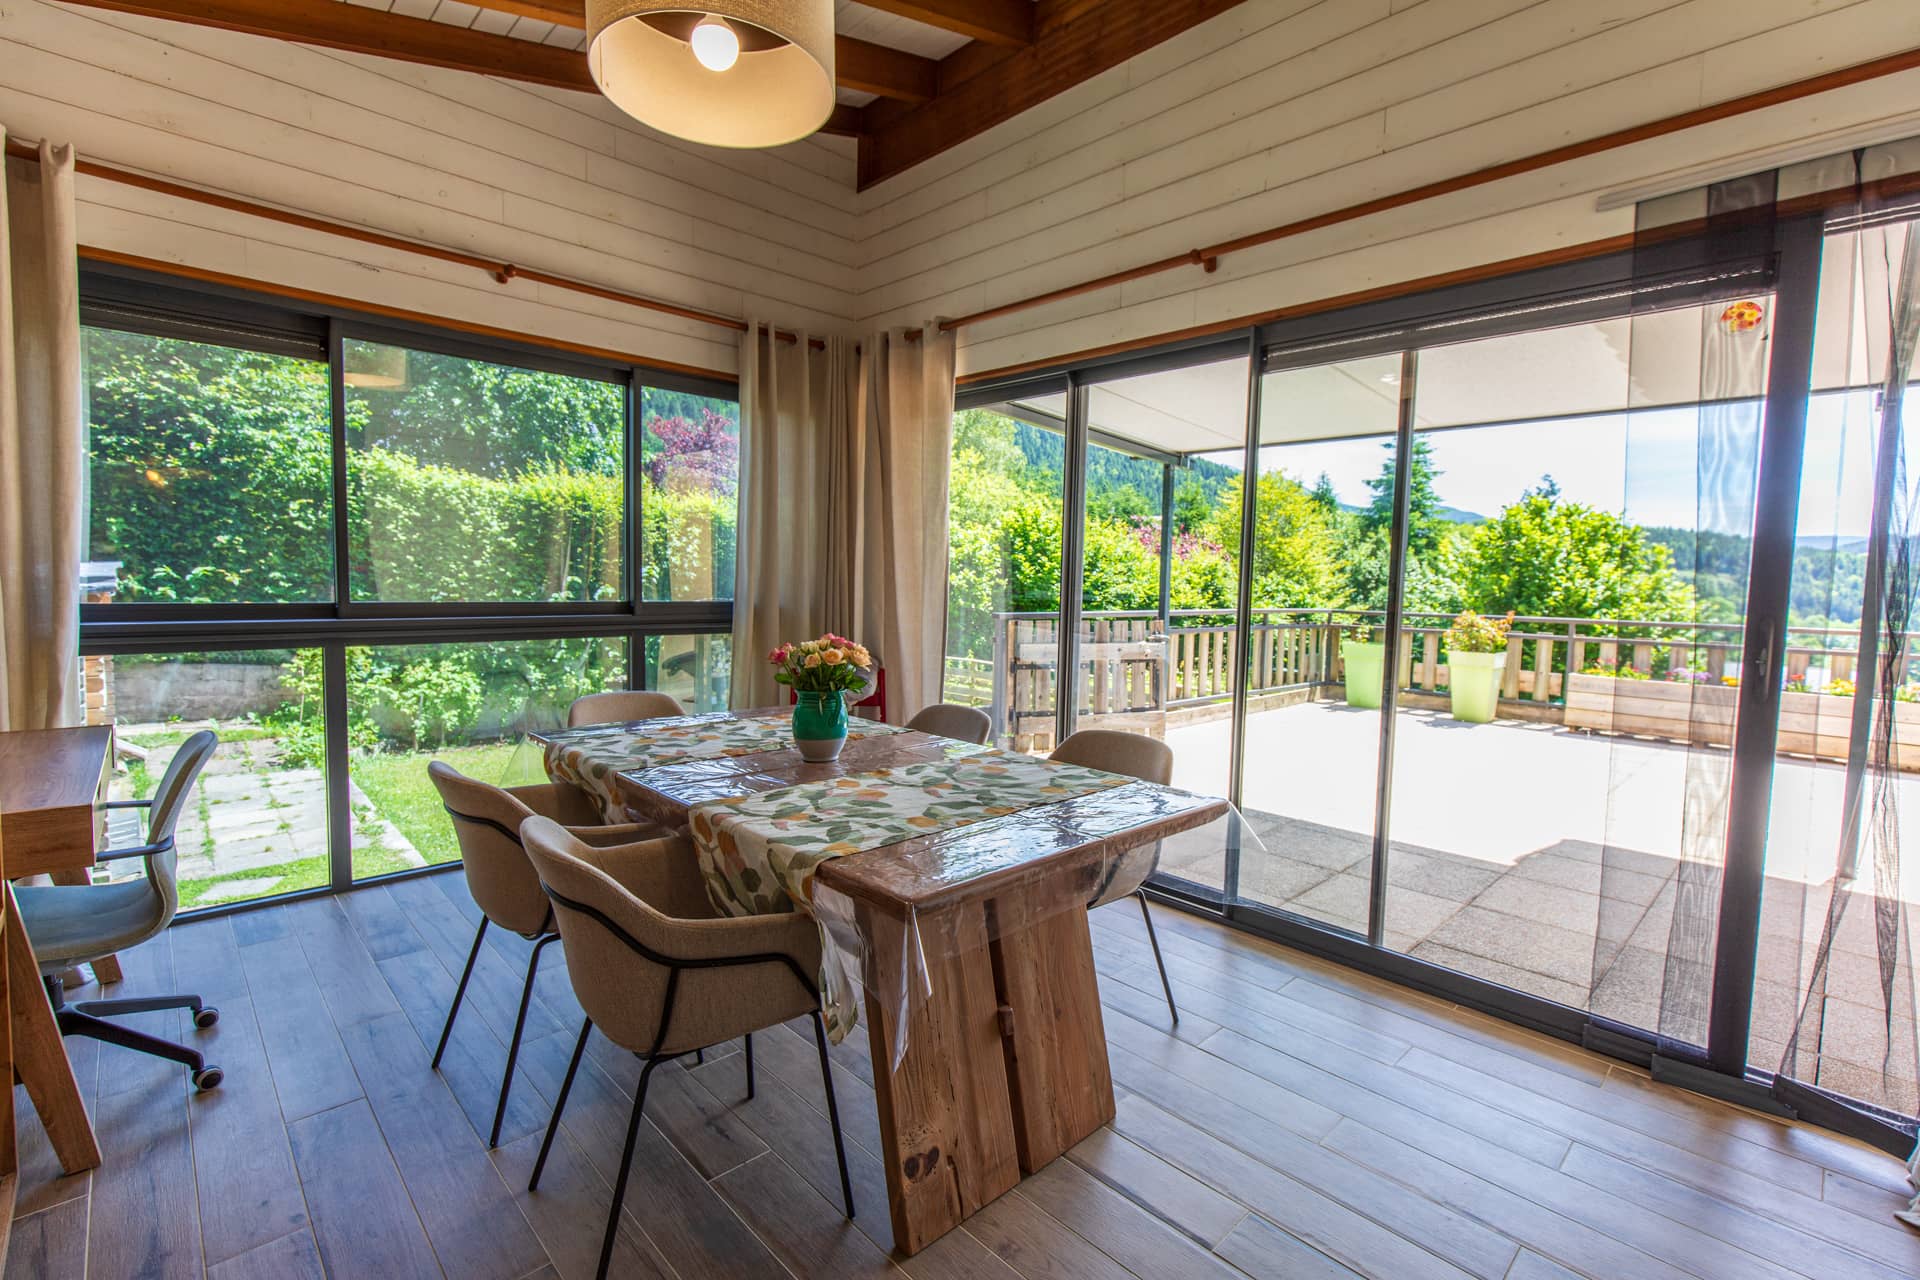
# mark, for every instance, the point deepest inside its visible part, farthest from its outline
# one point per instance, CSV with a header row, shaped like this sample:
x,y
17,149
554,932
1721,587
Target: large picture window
x,y
351,547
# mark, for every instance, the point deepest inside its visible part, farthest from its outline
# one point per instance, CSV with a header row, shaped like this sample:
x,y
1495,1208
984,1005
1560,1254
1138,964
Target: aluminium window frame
x,y
141,301
1601,287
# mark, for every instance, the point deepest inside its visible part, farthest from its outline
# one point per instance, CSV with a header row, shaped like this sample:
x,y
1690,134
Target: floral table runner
x,y
593,756
758,853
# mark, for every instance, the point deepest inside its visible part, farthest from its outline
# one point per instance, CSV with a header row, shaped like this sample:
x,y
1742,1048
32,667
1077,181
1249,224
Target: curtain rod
x,y
1208,258
503,272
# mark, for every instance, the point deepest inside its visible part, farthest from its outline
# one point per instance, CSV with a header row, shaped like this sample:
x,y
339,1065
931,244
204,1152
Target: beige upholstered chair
x,y
486,820
78,924
662,976
1137,756
950,720
621,706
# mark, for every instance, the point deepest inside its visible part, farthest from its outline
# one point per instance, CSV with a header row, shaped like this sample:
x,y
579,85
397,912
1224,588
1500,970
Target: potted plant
x,y
1363,659
1476,661
820,673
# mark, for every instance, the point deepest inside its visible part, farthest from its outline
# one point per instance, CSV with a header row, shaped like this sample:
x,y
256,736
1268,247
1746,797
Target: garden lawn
x,y
399,790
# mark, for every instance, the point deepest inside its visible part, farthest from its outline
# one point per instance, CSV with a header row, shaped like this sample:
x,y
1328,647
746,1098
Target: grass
x,y
397,791
229,731
398,786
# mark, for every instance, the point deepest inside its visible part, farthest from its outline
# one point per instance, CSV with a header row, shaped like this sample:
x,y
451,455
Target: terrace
x,y
1541,851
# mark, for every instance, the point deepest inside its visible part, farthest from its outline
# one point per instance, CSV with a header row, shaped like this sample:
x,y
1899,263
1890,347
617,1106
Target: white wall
x,y
1275,110
1280,109
556,180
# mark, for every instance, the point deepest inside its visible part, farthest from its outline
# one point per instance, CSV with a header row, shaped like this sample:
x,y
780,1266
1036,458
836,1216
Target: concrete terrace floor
x,y
1517,847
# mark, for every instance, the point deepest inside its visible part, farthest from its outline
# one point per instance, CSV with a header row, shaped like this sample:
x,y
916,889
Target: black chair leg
x,y
1162,964
73,1022
138,1004
833,1111
749,1066
513,1045
82,1018
560,1104
626,1166
459,991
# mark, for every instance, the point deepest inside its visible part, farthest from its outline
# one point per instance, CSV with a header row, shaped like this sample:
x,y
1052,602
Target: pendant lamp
x,y
735,73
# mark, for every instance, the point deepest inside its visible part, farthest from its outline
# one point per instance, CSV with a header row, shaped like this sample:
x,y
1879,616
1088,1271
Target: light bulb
x,y
715,44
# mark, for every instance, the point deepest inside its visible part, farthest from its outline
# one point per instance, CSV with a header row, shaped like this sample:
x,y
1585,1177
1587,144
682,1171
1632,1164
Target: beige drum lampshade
x,y
779,90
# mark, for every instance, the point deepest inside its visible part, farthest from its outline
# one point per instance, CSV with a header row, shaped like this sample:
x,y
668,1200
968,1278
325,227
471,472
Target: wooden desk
x,y
1004,1065
50,783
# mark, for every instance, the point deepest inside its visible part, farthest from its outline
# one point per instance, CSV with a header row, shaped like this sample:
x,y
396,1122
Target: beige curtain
x,y
789,394
887,533
42,445
843,499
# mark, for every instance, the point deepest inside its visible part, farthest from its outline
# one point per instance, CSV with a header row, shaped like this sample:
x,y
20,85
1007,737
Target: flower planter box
x,y
1811,724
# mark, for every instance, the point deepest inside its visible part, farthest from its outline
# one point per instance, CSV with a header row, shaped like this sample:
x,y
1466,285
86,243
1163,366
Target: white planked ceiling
x,y
456,14
849,19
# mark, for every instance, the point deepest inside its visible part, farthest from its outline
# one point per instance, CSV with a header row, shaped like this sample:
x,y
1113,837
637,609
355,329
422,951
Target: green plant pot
x,y
819,725
1363,661
1473,682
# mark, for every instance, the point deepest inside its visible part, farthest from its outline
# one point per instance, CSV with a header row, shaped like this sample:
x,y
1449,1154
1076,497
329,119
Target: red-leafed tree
x,y
698,454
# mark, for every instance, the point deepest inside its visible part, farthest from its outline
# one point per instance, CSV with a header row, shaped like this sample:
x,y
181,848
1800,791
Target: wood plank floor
x,y
1303,1121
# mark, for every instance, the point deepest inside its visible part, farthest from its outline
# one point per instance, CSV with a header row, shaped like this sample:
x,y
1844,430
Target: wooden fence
x,y
1135,668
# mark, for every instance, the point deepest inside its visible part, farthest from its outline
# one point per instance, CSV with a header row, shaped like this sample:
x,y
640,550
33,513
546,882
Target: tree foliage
x,y
1545,557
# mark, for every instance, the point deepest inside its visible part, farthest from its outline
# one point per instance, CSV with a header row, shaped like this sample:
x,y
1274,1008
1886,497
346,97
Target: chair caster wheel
x,y
207,1078
207,1017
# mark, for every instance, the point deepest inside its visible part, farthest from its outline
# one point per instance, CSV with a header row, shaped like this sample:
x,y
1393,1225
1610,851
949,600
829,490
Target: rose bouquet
x,y
831,664
821,673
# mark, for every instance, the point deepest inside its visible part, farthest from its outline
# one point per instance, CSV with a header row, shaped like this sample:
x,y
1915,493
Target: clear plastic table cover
x,y
891,915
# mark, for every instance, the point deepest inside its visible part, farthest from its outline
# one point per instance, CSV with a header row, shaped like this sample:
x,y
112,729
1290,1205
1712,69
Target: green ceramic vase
x,y
819,725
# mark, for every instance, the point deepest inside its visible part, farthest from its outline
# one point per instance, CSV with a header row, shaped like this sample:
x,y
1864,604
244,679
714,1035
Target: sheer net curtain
x,y
1697,378
843,495
1850,1028
42,446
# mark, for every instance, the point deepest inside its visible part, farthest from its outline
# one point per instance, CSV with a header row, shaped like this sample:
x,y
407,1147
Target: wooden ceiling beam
x,y
1074,41
1001,22
845,122
890,73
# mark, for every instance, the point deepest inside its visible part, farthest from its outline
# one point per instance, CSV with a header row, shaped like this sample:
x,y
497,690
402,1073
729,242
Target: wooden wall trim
x,y
1867,193
502,272
1208,257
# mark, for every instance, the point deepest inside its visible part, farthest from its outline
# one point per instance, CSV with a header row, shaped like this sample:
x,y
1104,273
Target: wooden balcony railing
x,y
1138,670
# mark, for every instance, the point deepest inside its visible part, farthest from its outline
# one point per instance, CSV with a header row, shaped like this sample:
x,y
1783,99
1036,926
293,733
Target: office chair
x,y
78,924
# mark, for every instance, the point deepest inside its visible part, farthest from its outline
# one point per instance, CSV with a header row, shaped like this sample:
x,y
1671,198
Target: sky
x,y
1648,466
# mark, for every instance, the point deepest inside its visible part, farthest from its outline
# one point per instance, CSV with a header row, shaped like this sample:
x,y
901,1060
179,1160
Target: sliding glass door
x,y
1320,574
1552,635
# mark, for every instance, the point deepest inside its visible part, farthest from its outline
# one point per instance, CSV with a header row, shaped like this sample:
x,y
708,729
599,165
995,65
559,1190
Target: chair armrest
x,y
663,873
565,803
607,837
128,804
134,851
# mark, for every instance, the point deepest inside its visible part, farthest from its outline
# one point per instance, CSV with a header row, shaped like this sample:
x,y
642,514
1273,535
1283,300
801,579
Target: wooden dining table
x,y
996,1063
